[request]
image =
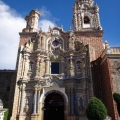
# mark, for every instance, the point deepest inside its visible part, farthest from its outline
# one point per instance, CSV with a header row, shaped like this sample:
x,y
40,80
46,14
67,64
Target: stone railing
x,y
111,50
115,50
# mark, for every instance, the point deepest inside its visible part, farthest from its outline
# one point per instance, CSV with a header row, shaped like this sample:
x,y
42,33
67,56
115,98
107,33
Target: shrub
x,y
116,97
6,114
96,110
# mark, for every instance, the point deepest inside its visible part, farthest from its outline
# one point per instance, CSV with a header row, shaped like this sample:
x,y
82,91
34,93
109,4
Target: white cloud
x,y
44,24
11,23
46,18
45,13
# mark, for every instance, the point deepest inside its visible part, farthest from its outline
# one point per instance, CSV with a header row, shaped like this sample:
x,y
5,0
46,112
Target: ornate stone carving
x,y
95,22
86,8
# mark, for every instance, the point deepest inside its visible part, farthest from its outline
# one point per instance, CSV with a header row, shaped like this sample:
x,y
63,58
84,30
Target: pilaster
x,y
25,66
37,76
47,66
35,101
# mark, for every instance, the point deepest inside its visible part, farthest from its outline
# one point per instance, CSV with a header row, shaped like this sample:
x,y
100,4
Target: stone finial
x,y
62,27
106,44
40,31
50,29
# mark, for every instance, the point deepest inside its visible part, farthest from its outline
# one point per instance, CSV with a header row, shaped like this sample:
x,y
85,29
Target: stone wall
x,y
107,89
5,83
115,73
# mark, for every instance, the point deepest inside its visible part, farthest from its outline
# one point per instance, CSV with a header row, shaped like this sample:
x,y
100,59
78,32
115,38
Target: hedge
x,y
6,114
96,110
116,97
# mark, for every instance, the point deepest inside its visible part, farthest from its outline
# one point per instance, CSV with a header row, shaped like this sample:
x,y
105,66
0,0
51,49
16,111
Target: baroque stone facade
x,y
57,72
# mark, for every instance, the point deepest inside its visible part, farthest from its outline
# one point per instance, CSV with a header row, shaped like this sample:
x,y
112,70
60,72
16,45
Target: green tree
x,y
116,97
96,110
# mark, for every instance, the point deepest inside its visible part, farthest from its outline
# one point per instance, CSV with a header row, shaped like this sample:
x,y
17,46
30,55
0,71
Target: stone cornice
x,y
90,33
28,33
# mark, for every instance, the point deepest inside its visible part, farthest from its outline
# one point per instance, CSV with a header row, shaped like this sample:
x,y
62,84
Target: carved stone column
x,y
62,66
79,21
69,100
47,66
42,42
38,104
72,101
35,101
37,67
25,67
71,67
39,42
22,98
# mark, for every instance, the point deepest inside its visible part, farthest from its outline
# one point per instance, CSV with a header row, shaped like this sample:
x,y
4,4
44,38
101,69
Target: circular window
x,y
56,43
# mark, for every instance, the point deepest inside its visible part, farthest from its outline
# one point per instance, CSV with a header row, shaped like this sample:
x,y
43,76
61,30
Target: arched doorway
x,y
54,107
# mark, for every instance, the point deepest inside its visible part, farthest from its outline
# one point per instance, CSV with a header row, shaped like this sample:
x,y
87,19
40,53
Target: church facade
x,y
57,72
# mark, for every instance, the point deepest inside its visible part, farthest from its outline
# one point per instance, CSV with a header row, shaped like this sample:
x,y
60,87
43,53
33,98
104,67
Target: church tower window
x,y
86,20
54,68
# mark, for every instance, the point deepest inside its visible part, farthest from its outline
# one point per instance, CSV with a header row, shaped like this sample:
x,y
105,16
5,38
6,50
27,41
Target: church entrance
x,y
54,107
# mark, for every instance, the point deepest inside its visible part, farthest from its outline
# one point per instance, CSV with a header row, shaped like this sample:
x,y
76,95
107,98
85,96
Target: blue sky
x,y
54,12
61,11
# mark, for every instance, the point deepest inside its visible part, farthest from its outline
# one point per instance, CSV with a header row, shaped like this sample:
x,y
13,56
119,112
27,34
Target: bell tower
x,y
86,16
87,27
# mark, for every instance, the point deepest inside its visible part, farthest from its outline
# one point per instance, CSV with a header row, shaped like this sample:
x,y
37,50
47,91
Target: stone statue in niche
x,y
71,43
71,68
78,45
30,66
81,105
78,66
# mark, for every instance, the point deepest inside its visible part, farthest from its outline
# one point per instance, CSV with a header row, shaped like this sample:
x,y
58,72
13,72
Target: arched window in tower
x,y
86,20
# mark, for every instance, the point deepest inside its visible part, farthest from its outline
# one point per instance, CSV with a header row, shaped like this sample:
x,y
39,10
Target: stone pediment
x,y
54,82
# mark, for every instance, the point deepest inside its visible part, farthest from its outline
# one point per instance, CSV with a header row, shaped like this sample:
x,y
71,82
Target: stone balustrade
x,y
115,50
110,51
